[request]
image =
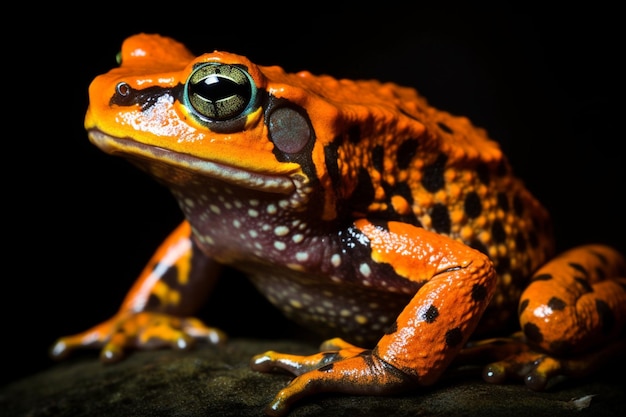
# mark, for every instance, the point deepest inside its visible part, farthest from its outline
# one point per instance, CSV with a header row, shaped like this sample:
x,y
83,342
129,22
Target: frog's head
x,y
217,115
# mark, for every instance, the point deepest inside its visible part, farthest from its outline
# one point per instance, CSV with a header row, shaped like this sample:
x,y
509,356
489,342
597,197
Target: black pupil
x,y
216,87
219,92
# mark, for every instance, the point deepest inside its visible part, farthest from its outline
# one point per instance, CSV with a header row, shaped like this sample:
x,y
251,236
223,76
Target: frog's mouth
x,y
243,178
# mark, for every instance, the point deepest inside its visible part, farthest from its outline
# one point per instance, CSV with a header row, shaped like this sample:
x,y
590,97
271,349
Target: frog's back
x,y
413,163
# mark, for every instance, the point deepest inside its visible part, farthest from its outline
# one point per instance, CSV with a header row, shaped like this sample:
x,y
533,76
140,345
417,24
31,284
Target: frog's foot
x,y
144,330
540,371
345,368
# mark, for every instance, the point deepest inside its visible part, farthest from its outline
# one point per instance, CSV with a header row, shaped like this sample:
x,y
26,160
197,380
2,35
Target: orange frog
x,y
396,229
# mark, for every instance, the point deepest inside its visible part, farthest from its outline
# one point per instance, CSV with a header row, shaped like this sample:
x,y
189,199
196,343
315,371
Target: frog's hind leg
x,y
573,316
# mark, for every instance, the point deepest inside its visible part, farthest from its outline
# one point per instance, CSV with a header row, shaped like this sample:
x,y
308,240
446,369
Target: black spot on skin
x,y
503,264
472,206
378,157
479,246
363,194
533,333
392,328
607,318
329,357
445,127
556,304
401,189
584,283
520,242
431,314
522,306
433,174
479,292
326,368
497,232
503,201
440,217
578,267
454,337
542,277
482,170
354,134
331,157
518,205
519,278
406,152
601,257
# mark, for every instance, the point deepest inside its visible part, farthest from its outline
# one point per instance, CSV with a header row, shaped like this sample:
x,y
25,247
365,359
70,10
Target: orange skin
x,y
354,207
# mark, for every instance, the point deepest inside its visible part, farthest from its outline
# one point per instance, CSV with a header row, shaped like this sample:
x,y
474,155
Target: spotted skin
x,y
396,230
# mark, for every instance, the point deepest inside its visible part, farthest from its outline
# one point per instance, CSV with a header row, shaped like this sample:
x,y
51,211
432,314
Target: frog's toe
x,y
298,364
364,374
145,330
535,369
271,361
541,371
199,331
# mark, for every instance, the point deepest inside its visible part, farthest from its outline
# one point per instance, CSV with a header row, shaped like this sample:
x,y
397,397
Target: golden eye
x,y
216,92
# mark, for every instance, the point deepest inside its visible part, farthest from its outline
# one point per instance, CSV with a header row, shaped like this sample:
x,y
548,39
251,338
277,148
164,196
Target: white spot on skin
x,y
237,223
280,245
365,270
253,233
302,256
271,209
253,213
335,260
189,202
297,238
254,203
215,209
281,230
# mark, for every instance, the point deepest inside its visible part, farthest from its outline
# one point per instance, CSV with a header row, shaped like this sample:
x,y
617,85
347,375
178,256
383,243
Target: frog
x,y
396,231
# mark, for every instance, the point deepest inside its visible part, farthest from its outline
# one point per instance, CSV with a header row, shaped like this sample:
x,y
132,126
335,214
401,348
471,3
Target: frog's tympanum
x,y
394,229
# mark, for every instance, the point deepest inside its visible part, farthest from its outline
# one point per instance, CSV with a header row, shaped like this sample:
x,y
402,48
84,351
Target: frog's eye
x,y
216,92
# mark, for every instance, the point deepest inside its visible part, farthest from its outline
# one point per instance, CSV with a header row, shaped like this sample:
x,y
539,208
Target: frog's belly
x,y
355,313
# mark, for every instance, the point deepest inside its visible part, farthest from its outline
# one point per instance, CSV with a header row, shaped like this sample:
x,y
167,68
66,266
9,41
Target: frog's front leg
x,y
156,311
457,283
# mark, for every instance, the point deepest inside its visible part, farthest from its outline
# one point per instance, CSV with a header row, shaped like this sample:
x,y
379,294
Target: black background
x,y
80,224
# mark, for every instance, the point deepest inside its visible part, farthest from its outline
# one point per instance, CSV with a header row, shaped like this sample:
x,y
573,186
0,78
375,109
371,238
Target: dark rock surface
x,y
216,381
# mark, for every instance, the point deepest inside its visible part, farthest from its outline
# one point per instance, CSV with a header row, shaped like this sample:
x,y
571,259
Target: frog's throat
x,y
252,180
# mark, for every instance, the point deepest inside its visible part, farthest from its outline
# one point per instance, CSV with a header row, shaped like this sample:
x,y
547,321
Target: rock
x,y
217,381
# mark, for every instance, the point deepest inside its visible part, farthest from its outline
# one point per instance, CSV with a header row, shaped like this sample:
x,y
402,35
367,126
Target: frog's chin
x,y
157,155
